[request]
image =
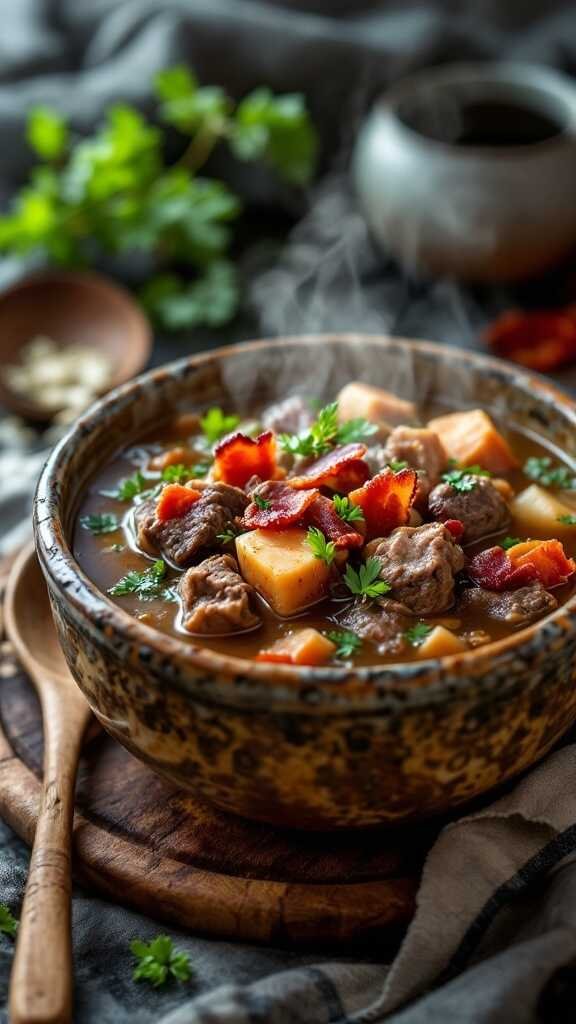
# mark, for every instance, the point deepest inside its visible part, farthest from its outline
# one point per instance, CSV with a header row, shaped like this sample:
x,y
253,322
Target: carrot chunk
x,y
302,647
238,457
174,501
471,438
386,500
547,558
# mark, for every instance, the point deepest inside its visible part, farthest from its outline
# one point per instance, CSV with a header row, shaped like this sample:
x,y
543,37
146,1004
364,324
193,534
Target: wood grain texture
x,y
146,844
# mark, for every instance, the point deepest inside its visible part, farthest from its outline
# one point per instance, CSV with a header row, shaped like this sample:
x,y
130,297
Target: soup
x,y
364,532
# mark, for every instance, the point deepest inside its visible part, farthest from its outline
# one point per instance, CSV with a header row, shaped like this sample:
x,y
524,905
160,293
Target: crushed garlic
x,y
63,379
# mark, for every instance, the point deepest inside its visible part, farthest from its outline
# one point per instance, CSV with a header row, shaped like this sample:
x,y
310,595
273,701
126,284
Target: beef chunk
x,y
291,416
516,607
215,598
419,563
483,510
181,539
422,449
383,623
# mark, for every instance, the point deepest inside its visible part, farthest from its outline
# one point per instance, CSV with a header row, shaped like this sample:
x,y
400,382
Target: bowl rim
x,y
69,579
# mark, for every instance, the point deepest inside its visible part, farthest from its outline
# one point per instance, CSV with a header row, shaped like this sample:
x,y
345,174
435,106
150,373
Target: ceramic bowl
x,y
310,748
499,210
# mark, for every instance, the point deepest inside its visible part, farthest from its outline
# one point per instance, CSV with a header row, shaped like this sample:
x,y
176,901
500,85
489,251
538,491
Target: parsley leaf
x,y
158,961
417,634
261,502
229,534
346,510
128,488
545,472
216,424
320,547
366,582
460,479
397,464
147,585
326,432
8,923
509,542
347,643
474,470
46,132
98,524
275,129
568,519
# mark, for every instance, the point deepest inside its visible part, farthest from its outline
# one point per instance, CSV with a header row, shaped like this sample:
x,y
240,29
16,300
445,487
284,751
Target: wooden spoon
x,y
71,308
41,982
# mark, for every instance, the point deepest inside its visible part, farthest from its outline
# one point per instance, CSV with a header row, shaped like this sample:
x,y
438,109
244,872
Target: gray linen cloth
x,y
494,937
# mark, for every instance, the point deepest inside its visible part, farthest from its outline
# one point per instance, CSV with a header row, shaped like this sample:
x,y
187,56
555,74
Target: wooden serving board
x,y
148,845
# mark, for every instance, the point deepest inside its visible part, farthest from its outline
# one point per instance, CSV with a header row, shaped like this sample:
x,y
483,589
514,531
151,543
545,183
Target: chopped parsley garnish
x,y
8,923
177,474
147,585
215,424
262,503
460,479
320,547
158,961
474,470
417,634
509,542
326,432
346,510
229,534
547,473
347,643
98,524
397,464
568,519
366,582
128,488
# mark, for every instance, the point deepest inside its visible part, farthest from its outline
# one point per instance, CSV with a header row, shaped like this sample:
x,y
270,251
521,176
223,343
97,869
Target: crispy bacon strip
x,y
542,339
546,557
174,501
286,507
323,515
386,500
495,570
238,457
340,469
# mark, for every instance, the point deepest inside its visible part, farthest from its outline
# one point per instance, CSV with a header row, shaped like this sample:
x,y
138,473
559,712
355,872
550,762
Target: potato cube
x,y
282,568
440,642
374,404
471,437
537,512
302,647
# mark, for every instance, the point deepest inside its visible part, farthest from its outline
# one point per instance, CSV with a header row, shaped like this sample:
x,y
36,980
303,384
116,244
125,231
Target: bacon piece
x,y
494,570
546,557
286,507
323,515
238,457
456,527
386,500
340,469
174,501
542,340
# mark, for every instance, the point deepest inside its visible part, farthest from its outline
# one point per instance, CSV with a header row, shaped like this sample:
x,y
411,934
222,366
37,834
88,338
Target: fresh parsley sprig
x,y
128,488
568,519
321,548
509,542
216,424
325,433
229,534
261,502
8,923
550,474
347,643
397,464
158,961
148,585
417,634
460,480
366,582
99,524
346,510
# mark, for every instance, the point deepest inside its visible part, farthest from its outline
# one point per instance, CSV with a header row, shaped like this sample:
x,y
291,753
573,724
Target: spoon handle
x,y
41,982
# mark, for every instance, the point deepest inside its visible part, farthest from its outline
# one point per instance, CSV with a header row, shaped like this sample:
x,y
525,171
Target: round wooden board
x,y
146,844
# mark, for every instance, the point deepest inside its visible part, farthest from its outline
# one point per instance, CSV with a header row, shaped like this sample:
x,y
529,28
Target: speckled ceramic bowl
x,y
312,748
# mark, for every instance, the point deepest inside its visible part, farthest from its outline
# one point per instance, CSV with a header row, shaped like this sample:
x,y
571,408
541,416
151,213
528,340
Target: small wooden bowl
x,y
71,308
